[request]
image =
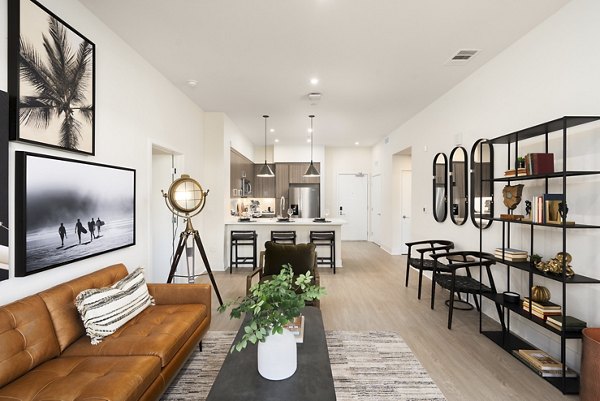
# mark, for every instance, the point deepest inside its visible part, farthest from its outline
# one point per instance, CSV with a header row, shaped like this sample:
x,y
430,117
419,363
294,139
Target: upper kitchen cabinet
x,y
297,170
282,182
264,187
241,175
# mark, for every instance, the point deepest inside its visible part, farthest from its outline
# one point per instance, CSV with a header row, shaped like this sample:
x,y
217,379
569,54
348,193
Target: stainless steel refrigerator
x,y
305,200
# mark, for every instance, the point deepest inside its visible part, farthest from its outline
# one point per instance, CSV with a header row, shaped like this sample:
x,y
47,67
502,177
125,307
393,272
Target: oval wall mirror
x,y
482,195
440,195
458,177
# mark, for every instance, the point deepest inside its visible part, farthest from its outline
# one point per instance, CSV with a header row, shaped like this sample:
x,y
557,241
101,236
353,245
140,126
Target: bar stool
x,y
283,237
242,238
325,238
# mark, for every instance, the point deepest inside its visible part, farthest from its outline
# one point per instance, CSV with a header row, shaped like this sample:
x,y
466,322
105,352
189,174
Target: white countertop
x,y
273,221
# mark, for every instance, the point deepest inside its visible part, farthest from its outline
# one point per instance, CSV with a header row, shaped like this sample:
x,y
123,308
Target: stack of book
x,y
515,172
542,309
542,363
571,323
511,254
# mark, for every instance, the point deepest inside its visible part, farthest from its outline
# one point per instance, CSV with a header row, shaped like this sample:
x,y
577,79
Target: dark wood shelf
x,y
542,129
526,266
542,224
518,309
510,342
557,174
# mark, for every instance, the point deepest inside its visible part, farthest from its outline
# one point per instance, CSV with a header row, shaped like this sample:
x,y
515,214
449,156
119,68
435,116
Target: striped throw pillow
x,y
104,310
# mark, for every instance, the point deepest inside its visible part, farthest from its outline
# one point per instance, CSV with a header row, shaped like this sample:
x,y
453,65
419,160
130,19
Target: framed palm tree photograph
x,y
69,210
51,69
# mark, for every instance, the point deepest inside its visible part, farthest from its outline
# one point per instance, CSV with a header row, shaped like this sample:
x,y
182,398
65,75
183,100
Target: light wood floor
x,y
368,293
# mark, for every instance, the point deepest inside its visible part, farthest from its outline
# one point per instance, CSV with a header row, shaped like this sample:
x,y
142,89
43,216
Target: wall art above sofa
x,y
51,74
68,210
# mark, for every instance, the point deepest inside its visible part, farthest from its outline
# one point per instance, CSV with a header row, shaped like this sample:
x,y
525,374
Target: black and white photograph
x,y
51,80
70,210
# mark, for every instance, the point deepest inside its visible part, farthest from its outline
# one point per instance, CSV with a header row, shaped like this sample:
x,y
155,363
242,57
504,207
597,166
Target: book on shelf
x,y
544,372
539,163
510,258
511,251
571,323
296,327
544,305
539,314
540,359
515,172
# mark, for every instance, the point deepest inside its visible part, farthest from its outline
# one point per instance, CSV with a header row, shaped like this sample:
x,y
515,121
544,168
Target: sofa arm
x,y
174,294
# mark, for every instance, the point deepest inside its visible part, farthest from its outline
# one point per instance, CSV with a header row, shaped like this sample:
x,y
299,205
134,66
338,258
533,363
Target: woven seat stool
x,y
238,239
325,238
283,237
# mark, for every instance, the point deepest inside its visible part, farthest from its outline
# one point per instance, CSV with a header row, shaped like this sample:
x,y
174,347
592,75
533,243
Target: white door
x,y
376,209
352,206
406,197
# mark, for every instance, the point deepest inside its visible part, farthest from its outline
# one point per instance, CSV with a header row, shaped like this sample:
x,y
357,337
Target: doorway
x,y
163,225
376,209
402,200
352,197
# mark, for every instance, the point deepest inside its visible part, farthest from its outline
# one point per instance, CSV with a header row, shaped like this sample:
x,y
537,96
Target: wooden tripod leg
x,y
182,240
207,265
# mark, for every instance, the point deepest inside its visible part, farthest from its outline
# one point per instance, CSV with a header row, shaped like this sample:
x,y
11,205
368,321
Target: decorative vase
x,y
540,294
277,356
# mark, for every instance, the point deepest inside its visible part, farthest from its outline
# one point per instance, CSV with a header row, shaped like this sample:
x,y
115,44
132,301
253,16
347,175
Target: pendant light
x,y
311,171
265,170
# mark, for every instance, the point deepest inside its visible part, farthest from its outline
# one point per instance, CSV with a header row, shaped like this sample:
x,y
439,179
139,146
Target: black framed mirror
x,y
481,199
458,178
440,187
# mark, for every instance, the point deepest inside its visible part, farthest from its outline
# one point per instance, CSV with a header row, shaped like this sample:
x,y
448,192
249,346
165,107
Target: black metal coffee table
x,y
239,379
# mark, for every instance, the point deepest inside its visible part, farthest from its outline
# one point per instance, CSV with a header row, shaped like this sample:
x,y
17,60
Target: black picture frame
x,y
51,192
3,186
42,110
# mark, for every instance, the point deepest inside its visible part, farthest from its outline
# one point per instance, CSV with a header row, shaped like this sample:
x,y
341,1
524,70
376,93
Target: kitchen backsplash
x,y
247,204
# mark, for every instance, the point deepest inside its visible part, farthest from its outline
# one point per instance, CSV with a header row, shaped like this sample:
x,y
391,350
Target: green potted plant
x,y
268,307
520,162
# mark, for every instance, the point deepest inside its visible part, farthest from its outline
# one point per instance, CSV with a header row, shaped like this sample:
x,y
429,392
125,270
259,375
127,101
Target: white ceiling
x,y
379,62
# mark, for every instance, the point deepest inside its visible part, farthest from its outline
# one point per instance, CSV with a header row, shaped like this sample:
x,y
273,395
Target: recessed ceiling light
x,y
308,140
309,130
192,83
357,143
272,130
276,140
314,81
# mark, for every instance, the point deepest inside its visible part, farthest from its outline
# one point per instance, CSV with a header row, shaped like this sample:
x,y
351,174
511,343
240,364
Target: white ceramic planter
x,y
277,356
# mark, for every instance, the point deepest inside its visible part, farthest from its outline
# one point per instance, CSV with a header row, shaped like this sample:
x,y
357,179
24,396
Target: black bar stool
x,y
325,238
242,238
283,237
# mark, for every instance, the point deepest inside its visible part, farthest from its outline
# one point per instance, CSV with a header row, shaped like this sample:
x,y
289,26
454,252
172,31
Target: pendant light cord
x,y
265,117
311,138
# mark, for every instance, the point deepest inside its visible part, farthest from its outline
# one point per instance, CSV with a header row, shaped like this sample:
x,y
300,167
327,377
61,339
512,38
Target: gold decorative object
x,y
512,195
540,293
555,265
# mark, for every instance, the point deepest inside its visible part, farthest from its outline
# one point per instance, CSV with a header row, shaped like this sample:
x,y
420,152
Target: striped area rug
x,y
373,365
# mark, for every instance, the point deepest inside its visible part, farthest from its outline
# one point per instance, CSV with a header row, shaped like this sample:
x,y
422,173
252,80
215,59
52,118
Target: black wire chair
x,y
422,263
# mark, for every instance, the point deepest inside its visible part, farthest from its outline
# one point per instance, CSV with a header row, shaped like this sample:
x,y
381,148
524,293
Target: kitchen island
x,y
303,227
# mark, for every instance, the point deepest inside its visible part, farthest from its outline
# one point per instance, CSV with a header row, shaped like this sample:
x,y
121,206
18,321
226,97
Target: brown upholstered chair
x,y
424,262
302,258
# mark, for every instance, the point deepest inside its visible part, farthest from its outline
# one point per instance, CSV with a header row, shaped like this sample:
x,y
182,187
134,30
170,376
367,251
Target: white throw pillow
x,y
104,310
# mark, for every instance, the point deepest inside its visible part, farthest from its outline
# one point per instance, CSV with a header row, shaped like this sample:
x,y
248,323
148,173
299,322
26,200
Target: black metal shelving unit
x,y
504,337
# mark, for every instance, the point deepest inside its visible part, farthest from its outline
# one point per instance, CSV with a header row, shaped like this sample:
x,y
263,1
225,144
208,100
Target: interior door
x,y
353,206
406,205
376,209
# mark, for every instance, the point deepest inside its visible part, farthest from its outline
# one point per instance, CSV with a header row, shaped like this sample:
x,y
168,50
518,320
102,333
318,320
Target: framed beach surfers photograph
x,y
51,80
69,210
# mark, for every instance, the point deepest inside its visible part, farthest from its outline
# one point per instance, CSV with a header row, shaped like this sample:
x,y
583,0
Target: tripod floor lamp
x,y
186,198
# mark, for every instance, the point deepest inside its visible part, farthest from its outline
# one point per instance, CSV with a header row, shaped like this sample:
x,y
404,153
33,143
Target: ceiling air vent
x,y
462,56
314,97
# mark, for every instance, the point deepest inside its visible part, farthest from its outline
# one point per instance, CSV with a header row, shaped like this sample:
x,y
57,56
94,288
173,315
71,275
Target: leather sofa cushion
x,y
300,256
159,330
27,337
85,378
60,301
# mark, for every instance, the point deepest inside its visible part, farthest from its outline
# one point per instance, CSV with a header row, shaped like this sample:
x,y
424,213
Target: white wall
x,y
135,107
550,72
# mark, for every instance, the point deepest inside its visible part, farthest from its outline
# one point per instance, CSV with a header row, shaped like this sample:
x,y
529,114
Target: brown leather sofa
x,y
45,354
